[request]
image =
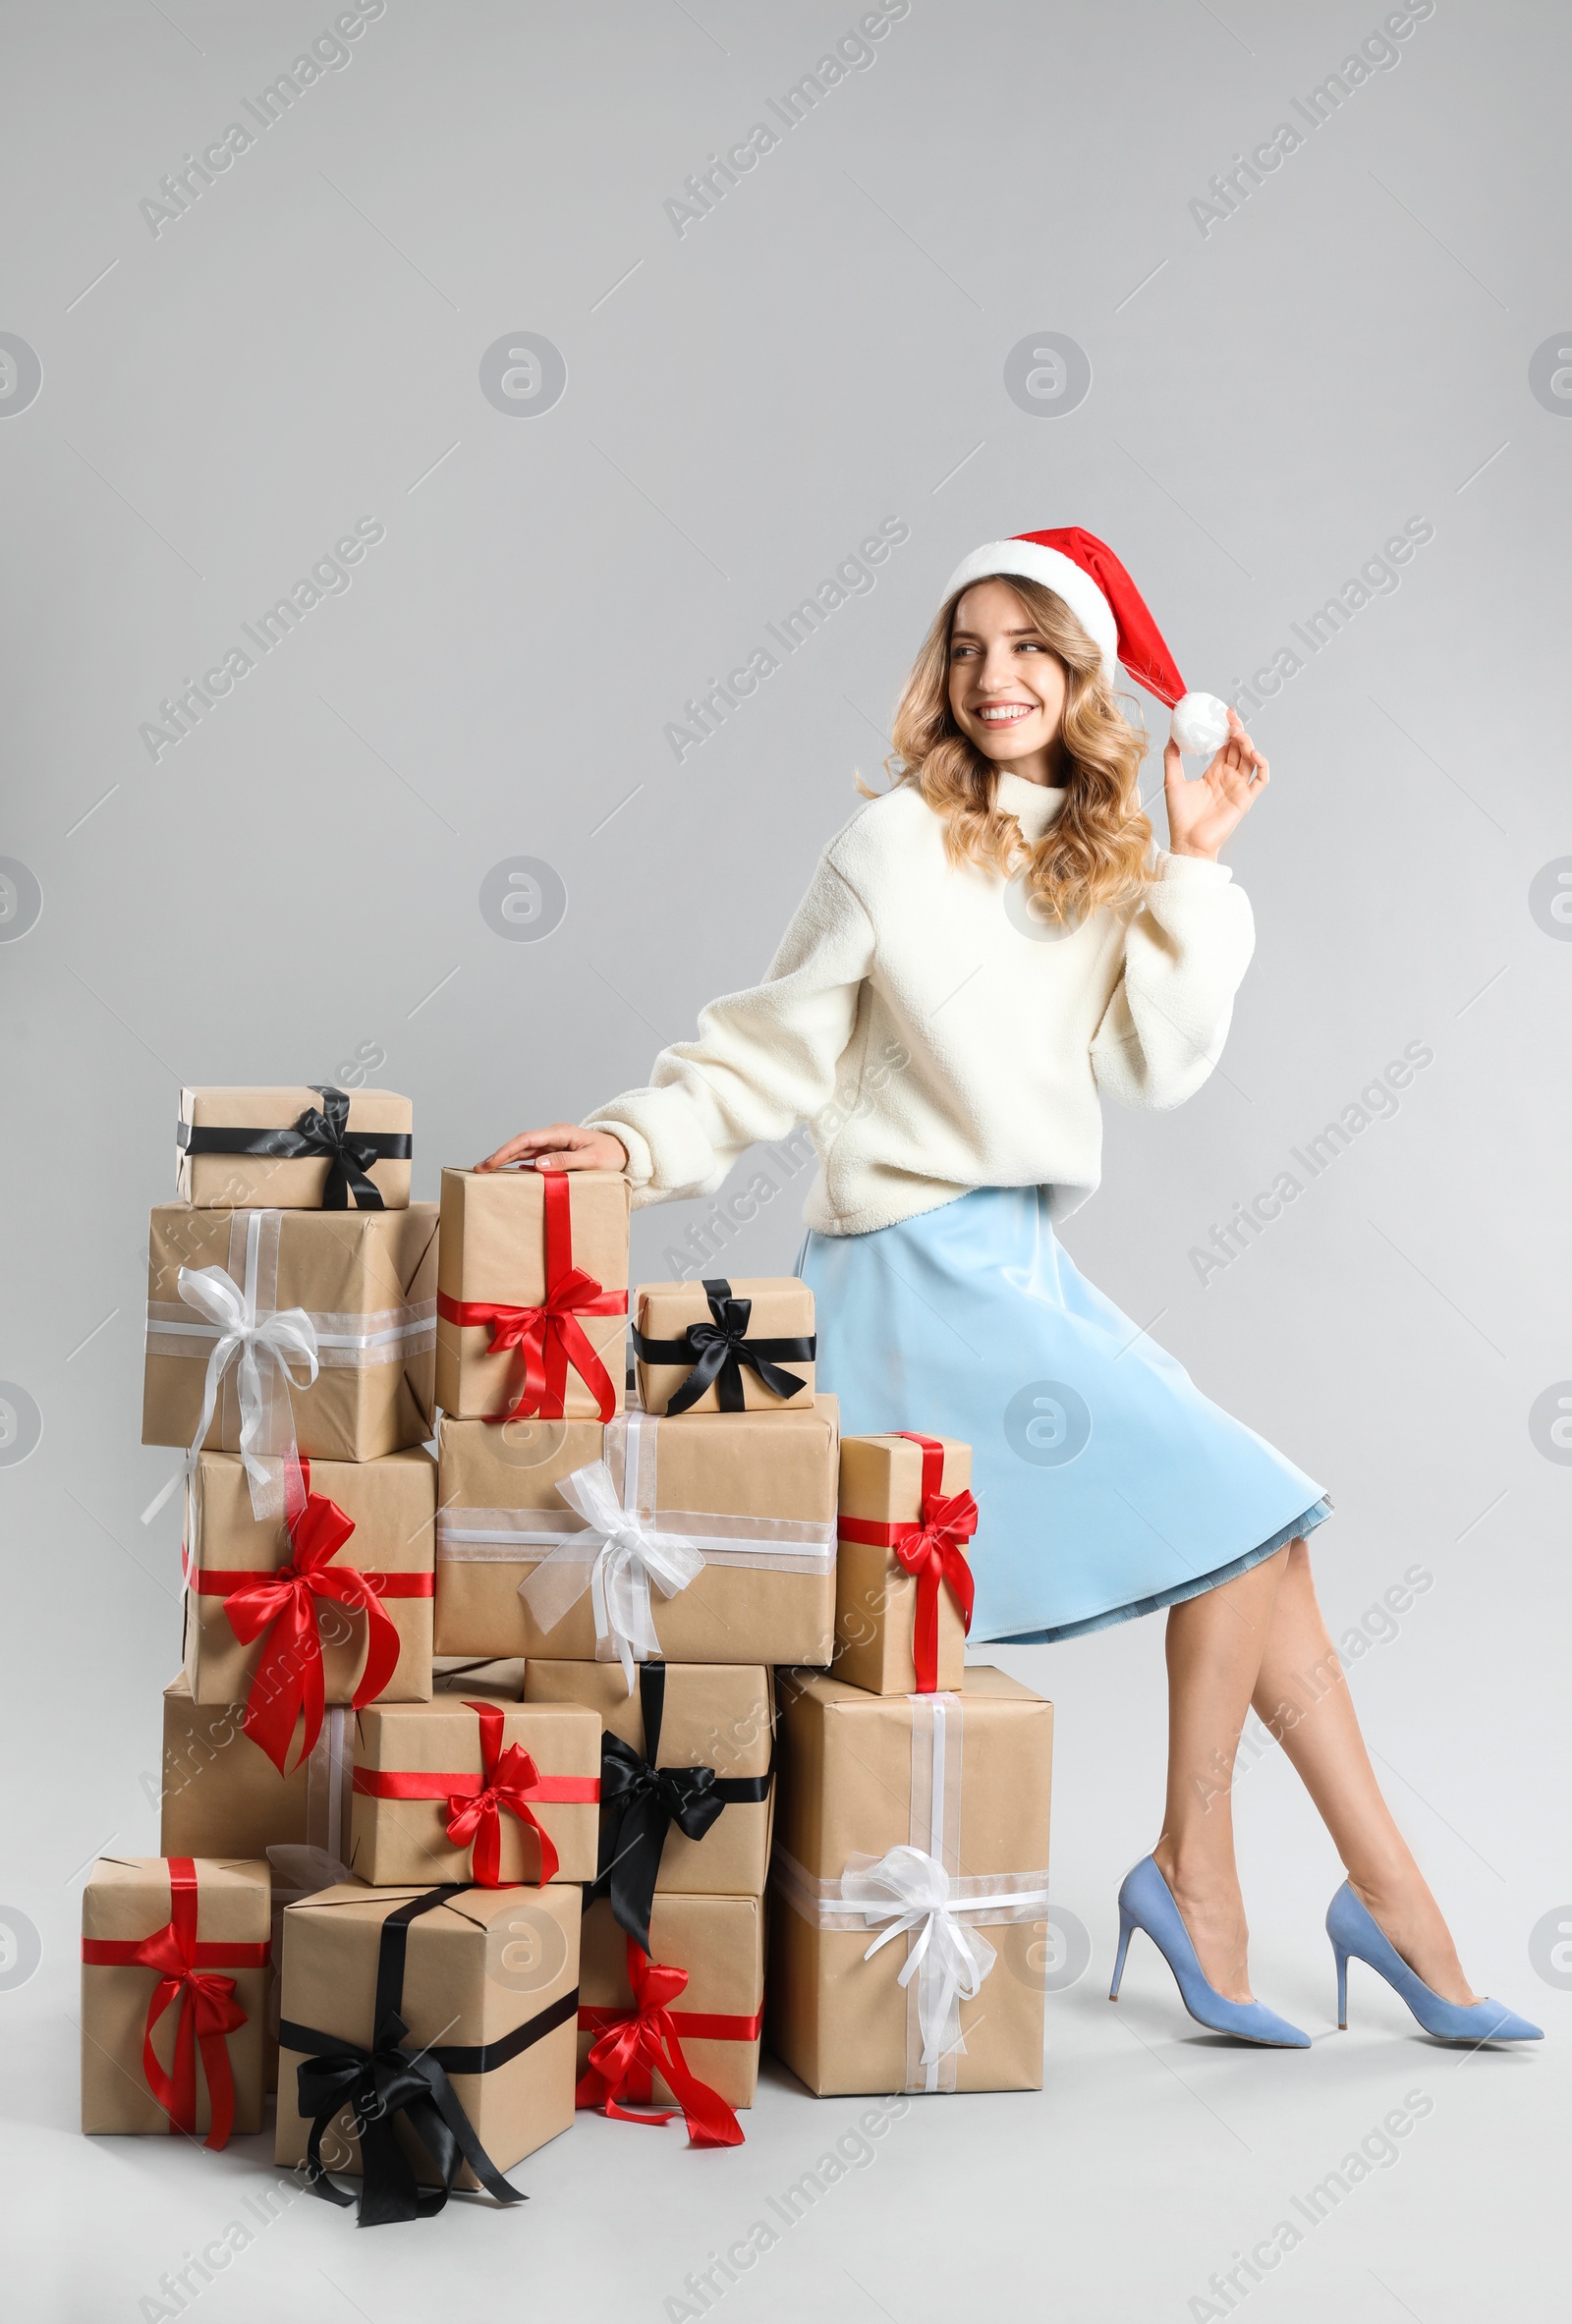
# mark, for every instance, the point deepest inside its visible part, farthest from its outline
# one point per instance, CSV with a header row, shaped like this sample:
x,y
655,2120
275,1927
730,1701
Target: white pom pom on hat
x,y
1084,571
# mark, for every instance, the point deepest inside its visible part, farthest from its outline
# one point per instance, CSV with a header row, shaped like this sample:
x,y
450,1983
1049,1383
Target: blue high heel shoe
x,y
1146,1902
1354,1933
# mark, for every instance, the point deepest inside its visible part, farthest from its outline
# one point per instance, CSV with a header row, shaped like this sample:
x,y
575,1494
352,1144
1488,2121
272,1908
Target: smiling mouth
x,y
1005,713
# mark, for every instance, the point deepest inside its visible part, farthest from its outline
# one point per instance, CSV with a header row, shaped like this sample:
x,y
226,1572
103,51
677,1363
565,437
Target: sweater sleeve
x,y
764,1061
1185,952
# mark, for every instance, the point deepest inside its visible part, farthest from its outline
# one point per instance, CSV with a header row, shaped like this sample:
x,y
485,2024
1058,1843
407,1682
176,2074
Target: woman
x,y
984,950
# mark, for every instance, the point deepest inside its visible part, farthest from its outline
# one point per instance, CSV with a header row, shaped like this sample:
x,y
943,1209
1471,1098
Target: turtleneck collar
x,y
1032,805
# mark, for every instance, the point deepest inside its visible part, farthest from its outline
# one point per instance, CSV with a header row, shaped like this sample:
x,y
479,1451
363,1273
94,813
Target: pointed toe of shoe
x,y
1497,2022
1265,2025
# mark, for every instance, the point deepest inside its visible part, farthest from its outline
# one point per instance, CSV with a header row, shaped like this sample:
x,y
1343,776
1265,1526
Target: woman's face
x,y
1007,687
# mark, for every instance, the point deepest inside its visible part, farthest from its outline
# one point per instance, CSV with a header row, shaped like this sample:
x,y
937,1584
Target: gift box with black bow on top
x,y
685,1777
299,1148
428,2039
723,1347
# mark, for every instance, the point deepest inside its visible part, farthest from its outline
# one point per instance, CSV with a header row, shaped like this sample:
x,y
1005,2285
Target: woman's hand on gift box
x,y
561,1146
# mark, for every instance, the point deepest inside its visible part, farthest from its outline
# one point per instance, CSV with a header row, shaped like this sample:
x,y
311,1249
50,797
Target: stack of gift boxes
x,y
483,1774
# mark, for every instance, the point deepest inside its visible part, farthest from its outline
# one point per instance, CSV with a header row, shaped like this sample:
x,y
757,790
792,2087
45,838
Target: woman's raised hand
x,y
1202,813
562,1147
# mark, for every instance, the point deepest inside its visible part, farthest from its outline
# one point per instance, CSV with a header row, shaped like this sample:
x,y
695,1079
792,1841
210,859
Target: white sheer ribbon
x,y
263,1343
920,1891
616,1556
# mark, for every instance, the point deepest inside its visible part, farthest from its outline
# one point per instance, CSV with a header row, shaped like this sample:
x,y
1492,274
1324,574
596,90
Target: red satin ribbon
x,y
283,1603
931,1550
636,2042
208,2009
508,1779
549,1337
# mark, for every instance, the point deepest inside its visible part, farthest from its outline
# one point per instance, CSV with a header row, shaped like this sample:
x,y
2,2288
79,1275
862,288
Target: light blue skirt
x,y
1107,1486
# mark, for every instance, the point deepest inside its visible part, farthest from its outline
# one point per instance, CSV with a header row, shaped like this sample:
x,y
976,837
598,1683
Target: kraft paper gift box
x,y
385,1560
723,1347
497,1674
533,1294
317,1148
716,1947
175,1952
709,1539
498,1510
367,1282
482,1983
903,1589
501,1773
709,1729
221,1793
919,1819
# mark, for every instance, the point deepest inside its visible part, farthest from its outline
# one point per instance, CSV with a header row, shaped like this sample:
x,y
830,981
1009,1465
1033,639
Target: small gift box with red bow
x,y
533,1294
426,2040
485,1791
175,1971
723,1347
331,1604
903,1577
318,1148
677,2028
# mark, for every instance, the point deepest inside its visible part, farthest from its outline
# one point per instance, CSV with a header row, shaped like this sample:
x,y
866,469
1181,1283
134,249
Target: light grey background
x,y
296,886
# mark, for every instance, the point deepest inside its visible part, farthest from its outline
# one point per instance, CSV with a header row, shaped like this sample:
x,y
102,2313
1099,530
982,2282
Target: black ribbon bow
x,y
321,1130
381,2083
642,1802
719,1349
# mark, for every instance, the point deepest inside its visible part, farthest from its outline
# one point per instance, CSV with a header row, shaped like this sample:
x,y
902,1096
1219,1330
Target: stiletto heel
x,y
1353,1930
1126,1924
1146,1902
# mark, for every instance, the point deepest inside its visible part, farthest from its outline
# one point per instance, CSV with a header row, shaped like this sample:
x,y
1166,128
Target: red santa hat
x,y
1084,571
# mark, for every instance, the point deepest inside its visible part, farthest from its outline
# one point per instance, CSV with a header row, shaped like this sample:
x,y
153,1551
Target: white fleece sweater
x,y
935,1037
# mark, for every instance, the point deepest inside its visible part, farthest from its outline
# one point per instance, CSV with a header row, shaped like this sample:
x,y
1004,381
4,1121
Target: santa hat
x,y
1084,571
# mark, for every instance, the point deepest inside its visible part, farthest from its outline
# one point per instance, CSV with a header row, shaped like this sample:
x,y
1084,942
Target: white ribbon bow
x,y
615,1559
266,1346
911,1889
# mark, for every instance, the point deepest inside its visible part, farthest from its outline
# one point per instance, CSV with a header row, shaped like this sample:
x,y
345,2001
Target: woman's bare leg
x,y
1301,1696
1215,1648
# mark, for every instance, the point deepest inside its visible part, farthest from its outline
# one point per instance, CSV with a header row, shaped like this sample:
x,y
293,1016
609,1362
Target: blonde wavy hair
x,y
1098,850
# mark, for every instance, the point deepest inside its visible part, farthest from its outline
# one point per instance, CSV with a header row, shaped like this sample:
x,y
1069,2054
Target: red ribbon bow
x,y
208,2009
637,2040
931,1550
507,1778
288,1672
549,1337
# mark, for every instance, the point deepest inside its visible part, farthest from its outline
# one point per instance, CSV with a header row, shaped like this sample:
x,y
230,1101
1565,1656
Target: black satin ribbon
x,y
321,1130
719,1349
642,1802
386,2080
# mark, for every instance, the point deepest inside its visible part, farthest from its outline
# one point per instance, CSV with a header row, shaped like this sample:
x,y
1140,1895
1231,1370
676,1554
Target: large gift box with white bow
x,y
686,1784
480,1790
909,1886
533,1294
272,1331
709,1539
903,1577
439,2020
295,1148
330,1603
